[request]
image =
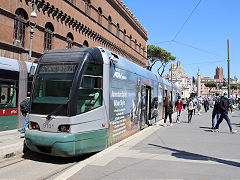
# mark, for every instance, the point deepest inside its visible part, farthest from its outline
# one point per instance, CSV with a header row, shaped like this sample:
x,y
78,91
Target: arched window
x,y
19,27
99,19
124,35
109,23
48,35
117,31
85,44
69,41
87,3
140,48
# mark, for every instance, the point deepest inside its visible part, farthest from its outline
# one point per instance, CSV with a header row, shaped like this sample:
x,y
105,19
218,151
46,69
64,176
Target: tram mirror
x,y
32,70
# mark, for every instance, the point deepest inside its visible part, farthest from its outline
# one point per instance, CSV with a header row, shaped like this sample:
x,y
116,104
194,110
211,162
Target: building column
x,y
198,83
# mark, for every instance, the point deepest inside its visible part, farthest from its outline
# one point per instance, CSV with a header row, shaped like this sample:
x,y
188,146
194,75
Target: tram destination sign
x,y
57,68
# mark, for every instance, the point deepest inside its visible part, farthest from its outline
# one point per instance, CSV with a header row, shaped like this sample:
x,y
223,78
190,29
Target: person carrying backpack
x,y
216,109
154,107
168,105
223,106
24,107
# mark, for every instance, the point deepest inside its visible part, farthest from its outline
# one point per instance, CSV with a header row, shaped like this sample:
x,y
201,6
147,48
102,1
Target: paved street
x,y
184,151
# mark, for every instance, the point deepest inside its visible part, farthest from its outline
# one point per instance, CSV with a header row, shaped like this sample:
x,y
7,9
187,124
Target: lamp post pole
x,y
30,45
228,69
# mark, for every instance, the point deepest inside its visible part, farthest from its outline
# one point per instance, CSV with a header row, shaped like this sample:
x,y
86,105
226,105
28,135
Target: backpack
x,y
217,102
24,107
170,109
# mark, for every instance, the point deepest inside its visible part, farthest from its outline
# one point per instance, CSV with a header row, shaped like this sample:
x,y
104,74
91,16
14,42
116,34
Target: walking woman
x,y
168,111
179,105
190,109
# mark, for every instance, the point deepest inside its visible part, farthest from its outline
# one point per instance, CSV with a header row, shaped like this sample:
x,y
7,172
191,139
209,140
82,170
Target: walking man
x,y
24,106
224,105
216,109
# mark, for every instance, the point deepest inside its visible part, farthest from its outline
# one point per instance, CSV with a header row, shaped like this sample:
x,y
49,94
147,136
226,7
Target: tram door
x,y
146,105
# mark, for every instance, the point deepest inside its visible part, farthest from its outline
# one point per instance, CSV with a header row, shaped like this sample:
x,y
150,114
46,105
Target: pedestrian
x,y
206,104
168,111
224,106
24,107
179,105
199,105
190,109
184,100
216,109
154,107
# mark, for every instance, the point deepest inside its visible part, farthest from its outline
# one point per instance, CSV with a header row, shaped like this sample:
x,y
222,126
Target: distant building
x,y
179,77
219,79
219,73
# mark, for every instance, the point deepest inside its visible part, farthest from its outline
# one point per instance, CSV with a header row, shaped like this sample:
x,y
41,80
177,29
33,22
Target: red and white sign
x,y
9,112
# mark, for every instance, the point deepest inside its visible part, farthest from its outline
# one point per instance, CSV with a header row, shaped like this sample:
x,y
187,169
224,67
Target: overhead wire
x,y
190,15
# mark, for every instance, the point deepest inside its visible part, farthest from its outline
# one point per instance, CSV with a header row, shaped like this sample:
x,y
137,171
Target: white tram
x,y
84,100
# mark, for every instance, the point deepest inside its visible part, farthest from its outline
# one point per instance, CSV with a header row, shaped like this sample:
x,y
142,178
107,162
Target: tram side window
x,y
90,90
7,96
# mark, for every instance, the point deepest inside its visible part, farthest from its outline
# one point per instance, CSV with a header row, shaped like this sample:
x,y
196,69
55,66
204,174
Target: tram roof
x,y
9,64
12,64
72,55
131,67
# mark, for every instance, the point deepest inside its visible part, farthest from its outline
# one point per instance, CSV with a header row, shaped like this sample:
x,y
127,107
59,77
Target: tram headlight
x,y
64,128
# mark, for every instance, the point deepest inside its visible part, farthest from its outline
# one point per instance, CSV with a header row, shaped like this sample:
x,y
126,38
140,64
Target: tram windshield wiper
x,y
56,110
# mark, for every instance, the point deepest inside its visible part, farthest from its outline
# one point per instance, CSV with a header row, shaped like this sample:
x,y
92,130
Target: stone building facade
x,y
178,76
61,24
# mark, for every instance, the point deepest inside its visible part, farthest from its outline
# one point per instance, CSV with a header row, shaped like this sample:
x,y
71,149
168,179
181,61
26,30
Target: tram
x,y
86,99
11,89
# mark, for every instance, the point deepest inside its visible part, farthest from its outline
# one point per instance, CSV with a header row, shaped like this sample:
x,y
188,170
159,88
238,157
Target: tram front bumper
x,y
55,144
65,145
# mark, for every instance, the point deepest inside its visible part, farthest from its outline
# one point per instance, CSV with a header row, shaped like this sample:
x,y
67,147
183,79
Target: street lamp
x,y
33,25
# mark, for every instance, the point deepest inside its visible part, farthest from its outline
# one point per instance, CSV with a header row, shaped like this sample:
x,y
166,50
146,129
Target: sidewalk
x,y
11,143
183,151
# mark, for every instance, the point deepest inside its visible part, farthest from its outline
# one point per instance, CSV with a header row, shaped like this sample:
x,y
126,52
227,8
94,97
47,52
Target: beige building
x,y
179,77
219,78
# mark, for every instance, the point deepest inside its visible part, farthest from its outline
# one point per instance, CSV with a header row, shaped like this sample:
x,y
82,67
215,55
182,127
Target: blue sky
x,y
202,42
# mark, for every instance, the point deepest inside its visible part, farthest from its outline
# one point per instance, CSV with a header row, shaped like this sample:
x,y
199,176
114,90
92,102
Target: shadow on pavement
x,y
192,156
30,155
236,124
202,127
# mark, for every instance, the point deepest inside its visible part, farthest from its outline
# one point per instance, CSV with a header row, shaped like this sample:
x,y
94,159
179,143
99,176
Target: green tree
x,y
233,87
157,54
210,84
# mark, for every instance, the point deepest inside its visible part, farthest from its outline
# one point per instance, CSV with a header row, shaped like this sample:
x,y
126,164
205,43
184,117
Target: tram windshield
x,y
7,95
51,89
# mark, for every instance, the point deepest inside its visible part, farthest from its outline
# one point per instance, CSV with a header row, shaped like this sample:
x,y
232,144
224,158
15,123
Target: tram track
x,y
8,162
56,172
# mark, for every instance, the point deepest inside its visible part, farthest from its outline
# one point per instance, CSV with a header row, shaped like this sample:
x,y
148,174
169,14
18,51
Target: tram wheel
x,y
25,148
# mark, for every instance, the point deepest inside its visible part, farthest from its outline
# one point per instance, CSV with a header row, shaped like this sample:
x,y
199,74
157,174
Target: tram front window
x,y
51,89
7,95
89,94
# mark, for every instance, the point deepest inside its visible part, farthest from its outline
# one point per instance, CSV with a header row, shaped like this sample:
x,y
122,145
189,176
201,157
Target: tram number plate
x,y
47,125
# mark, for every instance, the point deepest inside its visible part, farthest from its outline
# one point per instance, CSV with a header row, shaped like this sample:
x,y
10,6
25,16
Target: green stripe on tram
x,y
8,123
67,144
